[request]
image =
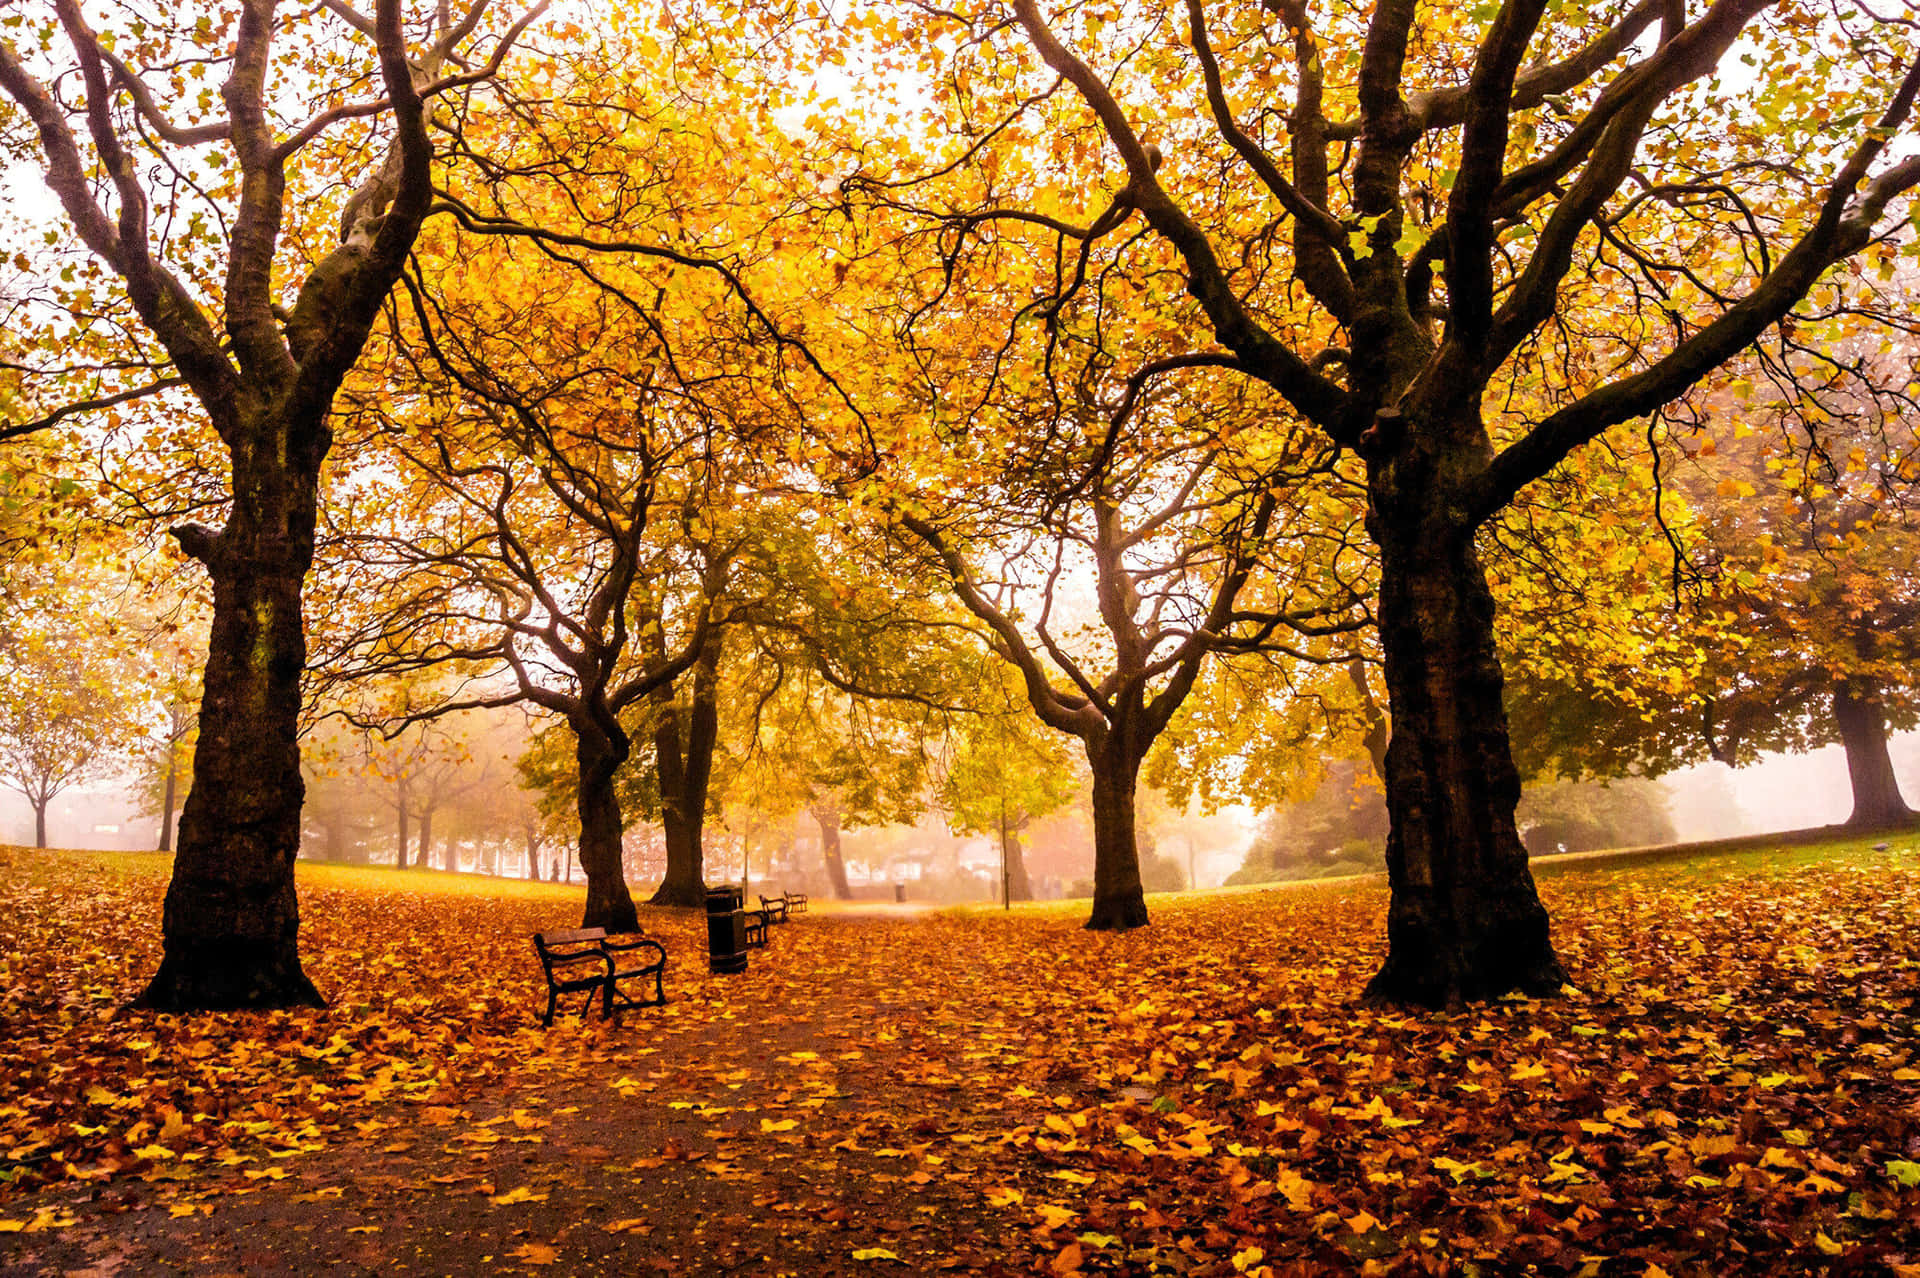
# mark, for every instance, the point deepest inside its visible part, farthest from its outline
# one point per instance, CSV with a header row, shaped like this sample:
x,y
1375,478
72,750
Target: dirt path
x,y
775,1144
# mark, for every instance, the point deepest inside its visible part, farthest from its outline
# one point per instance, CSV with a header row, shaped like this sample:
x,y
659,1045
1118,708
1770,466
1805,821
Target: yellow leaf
x,y
874,1253
1826,1245
534,1253
522,1194
783,1125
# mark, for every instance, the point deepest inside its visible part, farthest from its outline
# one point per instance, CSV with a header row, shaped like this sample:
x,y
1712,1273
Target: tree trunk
x,y
231,920
167,798
1857,712
425,860
533,852
684,882
1465,921
400,842
828,816
1119,902
1018,886
40,824
685,770
609,904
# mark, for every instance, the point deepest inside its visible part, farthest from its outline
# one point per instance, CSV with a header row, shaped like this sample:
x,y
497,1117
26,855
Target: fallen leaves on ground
x,y
1732,1087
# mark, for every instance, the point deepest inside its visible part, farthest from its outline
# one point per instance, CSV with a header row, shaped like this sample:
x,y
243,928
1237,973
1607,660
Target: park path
x,y
806,1135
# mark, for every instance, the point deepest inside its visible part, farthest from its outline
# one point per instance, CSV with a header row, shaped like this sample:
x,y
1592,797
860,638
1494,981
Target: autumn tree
x,y
1810,520
1777,619
195,258
1404,220
843,760
1002,776
1167,522
64,719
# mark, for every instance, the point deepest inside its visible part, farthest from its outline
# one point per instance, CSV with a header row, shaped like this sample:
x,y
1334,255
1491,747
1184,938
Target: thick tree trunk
x,y
40,825
684,882
1857,712
1465,921
1119,902
828,816
609,904
685,769
425,860
231,920
533,853
168,797
1017,886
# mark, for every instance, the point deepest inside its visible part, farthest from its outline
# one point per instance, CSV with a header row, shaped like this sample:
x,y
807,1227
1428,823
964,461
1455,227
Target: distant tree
x,y
1339,826
64,718
1003,775
1586,816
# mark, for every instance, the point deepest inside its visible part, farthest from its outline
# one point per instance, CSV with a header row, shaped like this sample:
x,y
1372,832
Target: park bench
x,y
587,960
778,908
756,926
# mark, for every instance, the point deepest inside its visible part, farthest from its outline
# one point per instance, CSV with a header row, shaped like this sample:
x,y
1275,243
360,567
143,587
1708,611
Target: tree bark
x,y
1119,902
609,903
40,825
828,816
425,859
685,770
1862,722
167,797
533,852
1019,886
231,920
1465,921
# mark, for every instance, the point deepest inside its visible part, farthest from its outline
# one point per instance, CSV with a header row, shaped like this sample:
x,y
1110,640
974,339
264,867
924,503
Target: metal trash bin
x,y
726,929
900,894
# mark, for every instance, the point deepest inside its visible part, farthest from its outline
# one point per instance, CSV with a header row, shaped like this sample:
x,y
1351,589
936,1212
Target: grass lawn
x,y
1732,1087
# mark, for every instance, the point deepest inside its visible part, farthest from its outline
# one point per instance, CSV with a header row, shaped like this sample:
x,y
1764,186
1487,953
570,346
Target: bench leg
x,y
553,1000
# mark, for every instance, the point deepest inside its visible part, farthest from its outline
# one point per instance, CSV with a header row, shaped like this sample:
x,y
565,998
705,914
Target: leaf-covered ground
x,y
1732,1089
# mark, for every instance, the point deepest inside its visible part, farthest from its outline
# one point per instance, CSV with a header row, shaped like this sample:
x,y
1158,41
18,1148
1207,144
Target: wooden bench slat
x,y
569,936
